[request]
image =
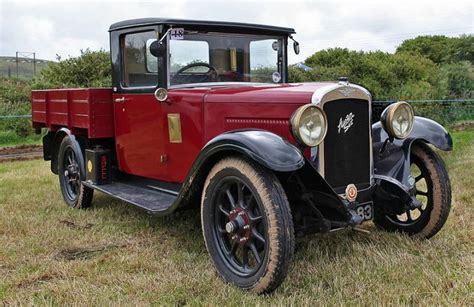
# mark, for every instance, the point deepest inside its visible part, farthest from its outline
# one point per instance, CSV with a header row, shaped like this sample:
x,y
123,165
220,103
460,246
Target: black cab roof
x,y
207,24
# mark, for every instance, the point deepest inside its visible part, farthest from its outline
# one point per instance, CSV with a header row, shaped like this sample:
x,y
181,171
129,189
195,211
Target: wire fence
x,y
14,116
443,111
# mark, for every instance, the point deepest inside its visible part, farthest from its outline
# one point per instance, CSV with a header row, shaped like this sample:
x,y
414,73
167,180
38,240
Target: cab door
x,y
138,115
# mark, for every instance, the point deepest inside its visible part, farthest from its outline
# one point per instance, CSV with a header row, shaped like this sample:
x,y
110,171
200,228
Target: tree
x,y
441,49
464,50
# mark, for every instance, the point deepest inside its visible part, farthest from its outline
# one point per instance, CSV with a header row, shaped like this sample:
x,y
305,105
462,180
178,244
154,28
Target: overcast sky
x,y
64,27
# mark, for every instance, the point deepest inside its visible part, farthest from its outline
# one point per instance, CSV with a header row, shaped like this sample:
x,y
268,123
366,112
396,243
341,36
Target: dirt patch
x,y
79,253
462,126
73,225
36,280
21,152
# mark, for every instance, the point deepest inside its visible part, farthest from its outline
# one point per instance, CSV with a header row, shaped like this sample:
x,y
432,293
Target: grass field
x,y
115,253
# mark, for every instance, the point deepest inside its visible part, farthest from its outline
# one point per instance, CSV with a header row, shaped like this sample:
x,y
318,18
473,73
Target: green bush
x,y
406,74
14,100
424,68
90,69
457,79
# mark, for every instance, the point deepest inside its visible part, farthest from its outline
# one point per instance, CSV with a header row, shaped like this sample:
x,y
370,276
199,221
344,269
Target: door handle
x,y
121,99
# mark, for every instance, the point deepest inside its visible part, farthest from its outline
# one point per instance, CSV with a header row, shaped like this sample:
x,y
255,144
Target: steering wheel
x,y
211,74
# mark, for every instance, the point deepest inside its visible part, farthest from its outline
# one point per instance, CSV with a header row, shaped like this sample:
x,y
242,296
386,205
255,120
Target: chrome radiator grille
x,y
347,151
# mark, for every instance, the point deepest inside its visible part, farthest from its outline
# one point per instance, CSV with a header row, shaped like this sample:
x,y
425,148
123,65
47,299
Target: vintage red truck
x,y
201,114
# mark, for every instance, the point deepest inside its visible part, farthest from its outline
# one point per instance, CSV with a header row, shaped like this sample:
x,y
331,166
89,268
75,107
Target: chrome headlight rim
x,y
295,122
388,116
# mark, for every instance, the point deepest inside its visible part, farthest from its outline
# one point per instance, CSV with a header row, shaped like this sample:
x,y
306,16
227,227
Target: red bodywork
x,y
140,128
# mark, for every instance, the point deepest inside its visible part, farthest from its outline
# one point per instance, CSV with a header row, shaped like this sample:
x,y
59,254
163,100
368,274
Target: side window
x,y
140,68
263,60
185,52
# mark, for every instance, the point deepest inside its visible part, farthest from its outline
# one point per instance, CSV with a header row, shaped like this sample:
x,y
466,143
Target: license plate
x,y
365,211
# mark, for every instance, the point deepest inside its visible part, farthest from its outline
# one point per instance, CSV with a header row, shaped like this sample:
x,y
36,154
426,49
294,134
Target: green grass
x,y
115,253
15,100
10,138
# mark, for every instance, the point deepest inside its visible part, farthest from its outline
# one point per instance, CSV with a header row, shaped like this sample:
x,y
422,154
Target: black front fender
x,y
393,164
264,147
273,152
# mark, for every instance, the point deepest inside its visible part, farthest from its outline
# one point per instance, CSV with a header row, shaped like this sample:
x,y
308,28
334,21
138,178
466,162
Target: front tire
x,y
70,172
247,225
433,190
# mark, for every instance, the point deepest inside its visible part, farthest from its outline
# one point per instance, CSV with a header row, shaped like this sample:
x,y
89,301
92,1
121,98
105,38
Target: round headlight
x,y
309,125
397,119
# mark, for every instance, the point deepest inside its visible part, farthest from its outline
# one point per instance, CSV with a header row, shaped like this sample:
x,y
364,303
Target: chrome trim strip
x,y
168,62
343,90
163,190
331,92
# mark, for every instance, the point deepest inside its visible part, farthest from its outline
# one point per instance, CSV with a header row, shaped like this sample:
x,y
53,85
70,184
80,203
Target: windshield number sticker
x,y
177,33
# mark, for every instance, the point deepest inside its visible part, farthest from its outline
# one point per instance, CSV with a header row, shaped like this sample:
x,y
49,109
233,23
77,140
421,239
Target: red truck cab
x,y
201,113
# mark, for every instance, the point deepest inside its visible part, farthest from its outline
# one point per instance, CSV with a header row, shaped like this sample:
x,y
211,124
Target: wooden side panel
x,y
101,114
89,110
58,107
79,108
38,108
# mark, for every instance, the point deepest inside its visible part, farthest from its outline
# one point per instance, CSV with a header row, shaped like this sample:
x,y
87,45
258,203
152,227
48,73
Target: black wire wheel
x,y
70,170
432,190
247,225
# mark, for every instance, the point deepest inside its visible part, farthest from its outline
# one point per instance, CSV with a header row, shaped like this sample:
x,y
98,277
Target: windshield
x,y
200,57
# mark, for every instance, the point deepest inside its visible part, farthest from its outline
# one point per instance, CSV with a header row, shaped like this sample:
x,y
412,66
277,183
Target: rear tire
x,y
247,225
70,172
433,191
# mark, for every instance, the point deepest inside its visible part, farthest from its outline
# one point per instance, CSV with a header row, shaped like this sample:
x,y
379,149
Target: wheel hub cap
x,y
72,171
239,225
230,227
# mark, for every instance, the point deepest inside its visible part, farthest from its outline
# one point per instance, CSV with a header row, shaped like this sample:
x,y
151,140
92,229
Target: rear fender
x,y
53,151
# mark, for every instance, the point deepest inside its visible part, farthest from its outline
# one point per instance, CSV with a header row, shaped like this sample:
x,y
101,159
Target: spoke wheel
x,y
423,192
432,189
239,227
70,168
247,225
71,175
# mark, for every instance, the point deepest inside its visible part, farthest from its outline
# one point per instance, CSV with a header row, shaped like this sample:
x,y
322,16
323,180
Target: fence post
x,y
16,59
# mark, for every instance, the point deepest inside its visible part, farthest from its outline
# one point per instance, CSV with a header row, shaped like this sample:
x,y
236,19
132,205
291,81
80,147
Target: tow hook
x,y
355,218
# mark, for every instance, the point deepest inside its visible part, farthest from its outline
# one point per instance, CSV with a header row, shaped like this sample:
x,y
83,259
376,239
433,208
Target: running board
x,y
155,200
